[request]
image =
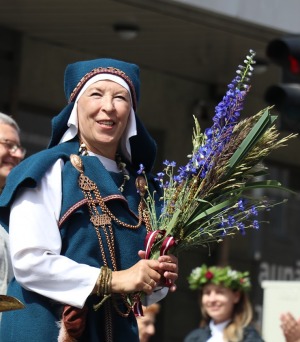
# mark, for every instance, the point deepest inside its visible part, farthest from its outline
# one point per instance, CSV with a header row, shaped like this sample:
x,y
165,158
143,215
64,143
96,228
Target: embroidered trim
x,y
79,204
101,70
70,211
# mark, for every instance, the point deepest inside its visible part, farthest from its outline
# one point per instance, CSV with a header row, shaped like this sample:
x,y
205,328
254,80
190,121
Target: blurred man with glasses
x,y
11,154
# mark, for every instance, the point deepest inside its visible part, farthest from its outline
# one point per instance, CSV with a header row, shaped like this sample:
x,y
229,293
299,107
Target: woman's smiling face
x,y
103,111
218,302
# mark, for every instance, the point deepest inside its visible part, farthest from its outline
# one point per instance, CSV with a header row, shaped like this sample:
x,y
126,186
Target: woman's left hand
x,y
168,265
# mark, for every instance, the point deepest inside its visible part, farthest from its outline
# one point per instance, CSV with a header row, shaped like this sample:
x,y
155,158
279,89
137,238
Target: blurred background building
x,y
188,51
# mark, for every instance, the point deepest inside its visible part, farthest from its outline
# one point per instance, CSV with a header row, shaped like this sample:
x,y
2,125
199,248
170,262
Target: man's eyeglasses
x,y
13,147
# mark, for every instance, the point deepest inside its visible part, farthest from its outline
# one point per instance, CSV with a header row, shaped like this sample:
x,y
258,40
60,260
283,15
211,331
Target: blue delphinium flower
x,y
160,175
253,211
231,221
222,226
168,163
227,114
241,227
141,169
241,204
255,224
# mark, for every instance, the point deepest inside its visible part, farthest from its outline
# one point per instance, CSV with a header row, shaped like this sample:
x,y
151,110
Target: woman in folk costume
x,y
76,220
225,306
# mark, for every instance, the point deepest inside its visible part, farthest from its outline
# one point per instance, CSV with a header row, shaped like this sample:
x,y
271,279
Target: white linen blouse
x,y
35,242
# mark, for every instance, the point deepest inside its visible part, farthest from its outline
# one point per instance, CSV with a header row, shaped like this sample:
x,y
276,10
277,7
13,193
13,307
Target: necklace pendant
x,y
76,162
100,220
85,183
141,185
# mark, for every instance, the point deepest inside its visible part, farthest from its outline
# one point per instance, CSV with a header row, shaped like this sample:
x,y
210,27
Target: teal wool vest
x,y
38,321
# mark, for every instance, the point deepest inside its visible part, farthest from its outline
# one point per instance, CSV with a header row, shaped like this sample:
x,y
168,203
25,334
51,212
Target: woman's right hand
x,y
143,276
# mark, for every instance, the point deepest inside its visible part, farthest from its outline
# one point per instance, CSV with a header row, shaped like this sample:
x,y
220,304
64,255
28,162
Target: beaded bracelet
x,y
103,285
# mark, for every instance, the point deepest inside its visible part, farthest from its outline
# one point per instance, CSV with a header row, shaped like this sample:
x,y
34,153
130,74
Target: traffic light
x,y
286,96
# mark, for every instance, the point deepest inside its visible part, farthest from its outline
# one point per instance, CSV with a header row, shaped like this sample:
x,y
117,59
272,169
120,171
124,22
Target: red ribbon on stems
x,y
150,240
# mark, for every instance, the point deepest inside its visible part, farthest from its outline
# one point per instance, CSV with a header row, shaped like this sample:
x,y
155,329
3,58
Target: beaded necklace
x,y
121,166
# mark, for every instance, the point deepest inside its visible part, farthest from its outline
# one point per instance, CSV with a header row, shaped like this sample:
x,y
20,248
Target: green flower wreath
x,y
224,276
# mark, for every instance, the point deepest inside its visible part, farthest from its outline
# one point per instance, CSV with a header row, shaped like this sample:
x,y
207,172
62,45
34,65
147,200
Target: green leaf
x,y
213,210
270,184
202,201
253,174
264,122
173,221
265,184
235,194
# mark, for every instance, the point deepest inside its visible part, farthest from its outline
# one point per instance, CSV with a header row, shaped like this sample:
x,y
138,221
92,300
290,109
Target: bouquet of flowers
x,y
211,196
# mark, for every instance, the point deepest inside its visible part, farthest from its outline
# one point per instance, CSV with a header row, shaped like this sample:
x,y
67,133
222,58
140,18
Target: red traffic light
x,y
294,64
286,95
286,53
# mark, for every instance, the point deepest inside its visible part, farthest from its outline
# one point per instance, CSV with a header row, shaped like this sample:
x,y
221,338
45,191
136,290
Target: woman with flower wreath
x,y
76,217
225,306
